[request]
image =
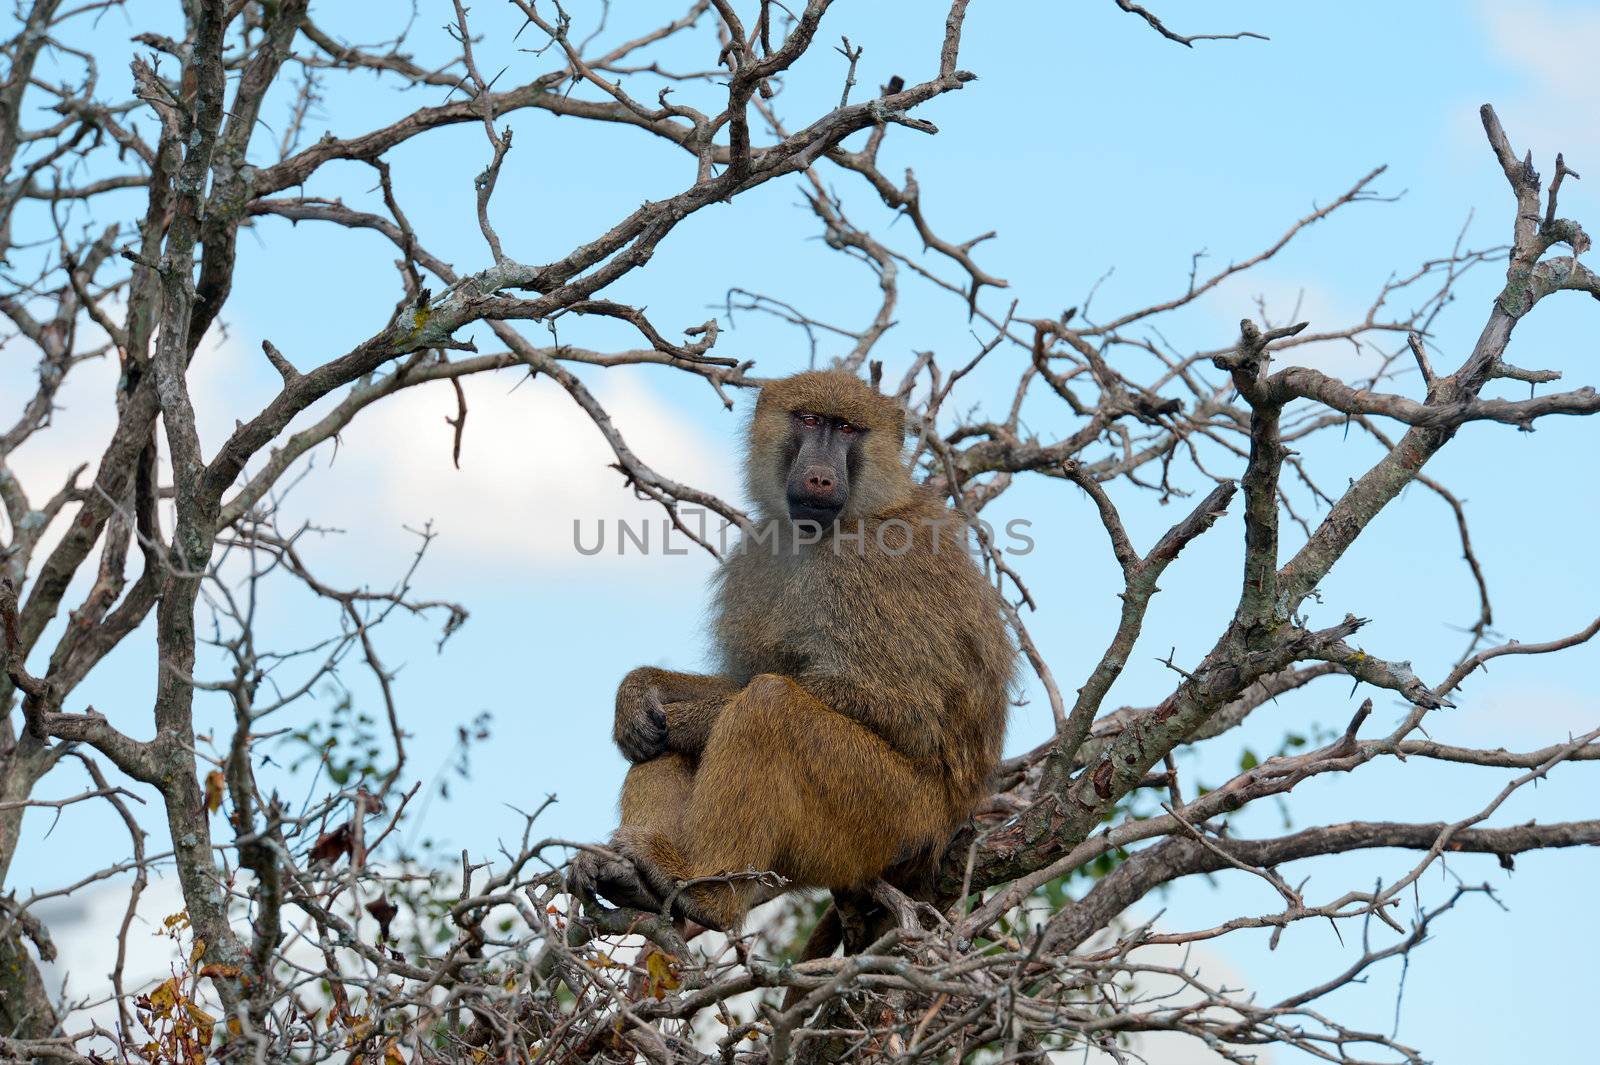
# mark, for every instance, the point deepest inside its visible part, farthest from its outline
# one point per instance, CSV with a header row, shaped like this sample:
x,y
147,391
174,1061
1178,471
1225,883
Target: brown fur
x,y
861,700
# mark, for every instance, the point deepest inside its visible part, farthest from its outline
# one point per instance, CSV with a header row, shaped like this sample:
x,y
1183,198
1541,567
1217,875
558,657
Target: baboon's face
x,y
823,454
825,446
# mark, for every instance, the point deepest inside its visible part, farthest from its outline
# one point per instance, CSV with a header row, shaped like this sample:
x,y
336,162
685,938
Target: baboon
x,y
861,699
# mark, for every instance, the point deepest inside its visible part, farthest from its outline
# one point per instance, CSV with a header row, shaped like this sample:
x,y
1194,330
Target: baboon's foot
x,y
634,870
613,877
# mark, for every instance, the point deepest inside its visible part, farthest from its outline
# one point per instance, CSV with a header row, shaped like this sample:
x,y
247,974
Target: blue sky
x,y
1089,144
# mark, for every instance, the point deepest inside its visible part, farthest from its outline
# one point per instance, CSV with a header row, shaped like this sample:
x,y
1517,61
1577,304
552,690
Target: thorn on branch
x,y
1167,661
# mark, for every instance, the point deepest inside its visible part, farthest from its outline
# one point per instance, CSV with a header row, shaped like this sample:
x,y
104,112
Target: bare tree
x,y
301,937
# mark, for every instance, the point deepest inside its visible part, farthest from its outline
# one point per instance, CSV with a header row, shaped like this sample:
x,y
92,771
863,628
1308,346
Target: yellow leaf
x,y
214,790
198,952
204,1022
392,1055
662,977
165,997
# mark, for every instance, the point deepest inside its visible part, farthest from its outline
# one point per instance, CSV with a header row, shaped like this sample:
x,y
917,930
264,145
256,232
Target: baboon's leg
x,y
789,785
655,795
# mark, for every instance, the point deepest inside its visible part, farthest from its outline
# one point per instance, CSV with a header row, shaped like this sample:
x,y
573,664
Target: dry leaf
x,y
203,1021
164,998
384,911
214,790
663,977
331,846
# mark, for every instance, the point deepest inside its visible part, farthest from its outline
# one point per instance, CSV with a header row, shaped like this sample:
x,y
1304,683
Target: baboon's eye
x,y
810,421
846,427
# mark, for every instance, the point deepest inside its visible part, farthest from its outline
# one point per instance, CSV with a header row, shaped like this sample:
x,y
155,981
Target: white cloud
x,y
532,462
1552,47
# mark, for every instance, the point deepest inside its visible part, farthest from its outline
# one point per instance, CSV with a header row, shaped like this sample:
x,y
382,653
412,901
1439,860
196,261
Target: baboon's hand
x,y
641,725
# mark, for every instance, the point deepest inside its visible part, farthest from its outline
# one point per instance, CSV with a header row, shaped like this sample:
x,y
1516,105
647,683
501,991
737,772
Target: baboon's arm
x,y
660,710
689,722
